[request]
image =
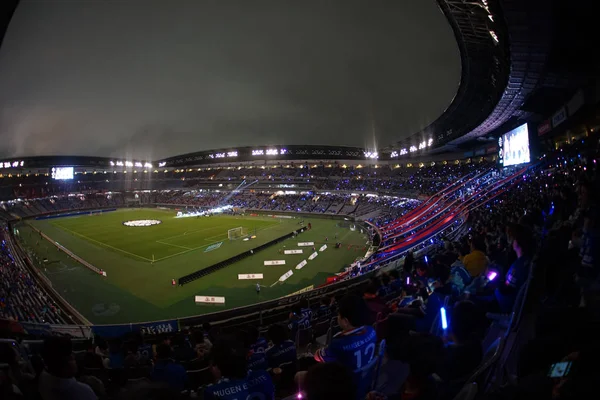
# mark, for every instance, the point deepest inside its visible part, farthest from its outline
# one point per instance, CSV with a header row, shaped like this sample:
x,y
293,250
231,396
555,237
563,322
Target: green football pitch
x,y
140,261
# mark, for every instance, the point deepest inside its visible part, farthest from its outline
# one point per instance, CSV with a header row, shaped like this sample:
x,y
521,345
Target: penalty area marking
x,y
103,244
174,245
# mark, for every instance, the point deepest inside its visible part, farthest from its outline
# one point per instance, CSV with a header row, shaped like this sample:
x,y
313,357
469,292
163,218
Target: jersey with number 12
x,y
355,348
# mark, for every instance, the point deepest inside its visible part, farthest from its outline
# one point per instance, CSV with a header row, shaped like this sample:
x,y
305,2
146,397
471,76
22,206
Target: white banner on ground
x,y
313,256
301,264
250,276
298,251
210,300
306,244
323,248
286,275
275,262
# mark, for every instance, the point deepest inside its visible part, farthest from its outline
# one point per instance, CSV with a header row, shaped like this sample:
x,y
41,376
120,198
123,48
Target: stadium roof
x,y
521,61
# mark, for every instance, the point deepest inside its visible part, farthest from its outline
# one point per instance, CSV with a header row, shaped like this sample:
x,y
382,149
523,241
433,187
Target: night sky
x,y
150,79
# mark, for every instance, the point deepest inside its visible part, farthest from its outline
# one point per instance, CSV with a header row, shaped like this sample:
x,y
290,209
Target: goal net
x,y
236,233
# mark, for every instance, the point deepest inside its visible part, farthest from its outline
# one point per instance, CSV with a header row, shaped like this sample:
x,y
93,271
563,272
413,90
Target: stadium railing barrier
x,y
22,257
68,252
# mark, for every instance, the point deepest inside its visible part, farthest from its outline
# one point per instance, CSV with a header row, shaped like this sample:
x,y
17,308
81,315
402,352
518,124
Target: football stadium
x,y
369,208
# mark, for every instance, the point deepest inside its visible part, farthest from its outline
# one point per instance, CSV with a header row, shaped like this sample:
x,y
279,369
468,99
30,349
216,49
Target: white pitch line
x,y
103,244
187,233
183,252
174,245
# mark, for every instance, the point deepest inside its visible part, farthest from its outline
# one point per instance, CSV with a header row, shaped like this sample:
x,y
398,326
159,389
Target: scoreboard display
x,y
62,173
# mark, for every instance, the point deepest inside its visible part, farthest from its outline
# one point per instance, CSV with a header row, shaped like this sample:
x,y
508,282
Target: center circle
x,y
142,222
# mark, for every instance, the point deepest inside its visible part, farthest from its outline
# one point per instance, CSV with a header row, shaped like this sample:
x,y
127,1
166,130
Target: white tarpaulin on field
x,y
301,264
286,275
298,251
275,262
250,276
210,300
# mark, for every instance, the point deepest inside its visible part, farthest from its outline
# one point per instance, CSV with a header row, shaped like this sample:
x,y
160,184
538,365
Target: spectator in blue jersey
x,y
256,346
324,311
305,310
459,276
233,381
168,371
422,274
355,345
385,288
395,281
283,350
518,273
116,354
144,350
297,320
422,318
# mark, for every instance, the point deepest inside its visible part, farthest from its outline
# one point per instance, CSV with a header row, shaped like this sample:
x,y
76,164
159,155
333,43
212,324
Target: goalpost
x,y
236,233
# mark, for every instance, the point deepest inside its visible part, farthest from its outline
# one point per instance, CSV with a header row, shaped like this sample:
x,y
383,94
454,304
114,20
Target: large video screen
x,y
62,173
514,147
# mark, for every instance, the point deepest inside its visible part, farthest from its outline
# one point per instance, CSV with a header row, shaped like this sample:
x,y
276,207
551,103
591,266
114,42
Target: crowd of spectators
x,y
21,297
536,244
385,179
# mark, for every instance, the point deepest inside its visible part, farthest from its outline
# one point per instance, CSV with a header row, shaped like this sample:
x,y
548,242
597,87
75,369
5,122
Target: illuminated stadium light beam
x,y
240,187
216,210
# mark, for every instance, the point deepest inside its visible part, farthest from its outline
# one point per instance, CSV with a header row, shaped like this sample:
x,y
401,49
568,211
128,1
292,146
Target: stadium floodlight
x,y
371,154
147,165
236,233
138,164
412,149
403,151
272,152
112,163
429,142
232,154
162,164
394,154
258,152
120,164
128,164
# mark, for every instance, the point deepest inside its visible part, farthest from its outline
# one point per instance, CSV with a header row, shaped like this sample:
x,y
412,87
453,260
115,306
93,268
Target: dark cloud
x,y
150,79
